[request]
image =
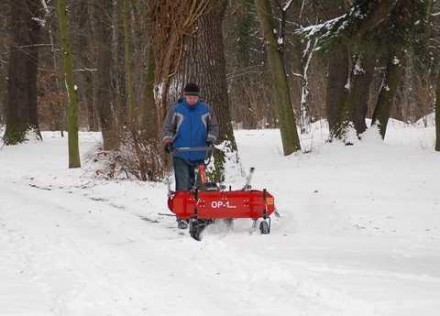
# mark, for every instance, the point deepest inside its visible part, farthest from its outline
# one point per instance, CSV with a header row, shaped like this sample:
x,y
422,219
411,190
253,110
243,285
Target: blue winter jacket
x,y
190,126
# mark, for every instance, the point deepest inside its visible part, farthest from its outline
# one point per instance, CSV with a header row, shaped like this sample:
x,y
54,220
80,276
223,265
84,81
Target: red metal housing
x,y
222,204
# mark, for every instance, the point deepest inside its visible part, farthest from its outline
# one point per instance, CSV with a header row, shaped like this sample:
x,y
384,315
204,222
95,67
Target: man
x,y
189,123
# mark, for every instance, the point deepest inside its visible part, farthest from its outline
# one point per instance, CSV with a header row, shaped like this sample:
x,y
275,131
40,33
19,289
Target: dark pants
x,y
184,173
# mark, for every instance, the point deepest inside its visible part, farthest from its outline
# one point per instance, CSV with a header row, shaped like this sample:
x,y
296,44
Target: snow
x,y
287,5
359,234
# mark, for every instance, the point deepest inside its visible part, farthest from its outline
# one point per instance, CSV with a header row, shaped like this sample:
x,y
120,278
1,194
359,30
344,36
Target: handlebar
x,y
191,149
207,149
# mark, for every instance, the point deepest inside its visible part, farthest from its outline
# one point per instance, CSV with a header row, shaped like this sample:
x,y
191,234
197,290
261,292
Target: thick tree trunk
x,y
21,103
337,92
72,115
362,76
437,114
119,85
280,88
104,99
127,62
395,71
4,28
84,40
211,74
148,112
169,22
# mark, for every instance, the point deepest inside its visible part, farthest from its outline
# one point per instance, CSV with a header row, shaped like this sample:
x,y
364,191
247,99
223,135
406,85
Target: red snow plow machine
x,y
207,201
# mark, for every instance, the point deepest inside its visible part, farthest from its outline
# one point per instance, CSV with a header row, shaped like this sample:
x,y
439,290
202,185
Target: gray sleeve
x,y
168,129
213,128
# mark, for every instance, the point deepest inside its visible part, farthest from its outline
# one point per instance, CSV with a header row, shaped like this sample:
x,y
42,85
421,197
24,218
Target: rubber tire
x,y
264,228
194,230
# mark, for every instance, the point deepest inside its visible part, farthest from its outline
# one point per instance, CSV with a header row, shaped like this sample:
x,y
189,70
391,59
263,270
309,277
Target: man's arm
x,y
213,128
168,129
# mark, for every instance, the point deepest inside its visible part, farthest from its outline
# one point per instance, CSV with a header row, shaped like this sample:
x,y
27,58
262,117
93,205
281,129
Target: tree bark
x,y
362,76
280,88
72,115
337,91
21,103
103,18
84,40
170,21
395,71
149,112
211,75
437,114
127,62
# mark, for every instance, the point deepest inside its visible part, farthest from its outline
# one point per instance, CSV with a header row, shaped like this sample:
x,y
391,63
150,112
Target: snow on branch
x,y
287,5
85,69
324,29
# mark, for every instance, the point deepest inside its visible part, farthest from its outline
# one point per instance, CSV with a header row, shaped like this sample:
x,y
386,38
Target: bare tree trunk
x,y
118,63
72,117
362,76
127,61
4,50
211,75
337,91
84,42
280,88
305,90
170,20
21,104
437,114
104,101
148,112
395,71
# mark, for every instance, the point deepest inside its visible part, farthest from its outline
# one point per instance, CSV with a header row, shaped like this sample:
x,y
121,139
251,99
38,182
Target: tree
x,y
102,13
280,88
248,87
83,44
4,24
437,115
127,60
394,72
169,22
205,64
337,92
72,115
398,36
21,103
360,81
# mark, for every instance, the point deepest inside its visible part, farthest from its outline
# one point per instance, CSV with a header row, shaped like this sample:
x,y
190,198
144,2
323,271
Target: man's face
x,y
191,99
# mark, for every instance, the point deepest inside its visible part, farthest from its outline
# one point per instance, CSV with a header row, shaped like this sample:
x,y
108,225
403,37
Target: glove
x,y
210,141
168,145
168,148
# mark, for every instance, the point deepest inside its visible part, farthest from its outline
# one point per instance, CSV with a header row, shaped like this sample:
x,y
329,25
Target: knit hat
x,y
191,89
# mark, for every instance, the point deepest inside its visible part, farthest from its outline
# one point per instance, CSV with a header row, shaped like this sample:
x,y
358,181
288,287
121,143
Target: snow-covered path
x,y
359,235
67,260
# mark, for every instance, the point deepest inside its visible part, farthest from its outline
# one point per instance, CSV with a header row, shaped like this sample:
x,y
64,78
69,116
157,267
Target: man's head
x,y
191,93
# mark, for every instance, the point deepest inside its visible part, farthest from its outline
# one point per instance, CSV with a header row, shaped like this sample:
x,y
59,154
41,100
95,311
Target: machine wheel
x,y
196,227
264,228
229,224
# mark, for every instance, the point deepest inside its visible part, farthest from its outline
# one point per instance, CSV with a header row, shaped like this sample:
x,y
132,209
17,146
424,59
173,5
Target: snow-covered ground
x,y
359,234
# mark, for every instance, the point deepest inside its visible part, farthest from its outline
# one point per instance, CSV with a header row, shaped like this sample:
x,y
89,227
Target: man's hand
x,y
210,142
168,145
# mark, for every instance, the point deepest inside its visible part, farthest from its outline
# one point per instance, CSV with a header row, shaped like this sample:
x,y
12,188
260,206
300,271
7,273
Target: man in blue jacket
x,y
189,123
